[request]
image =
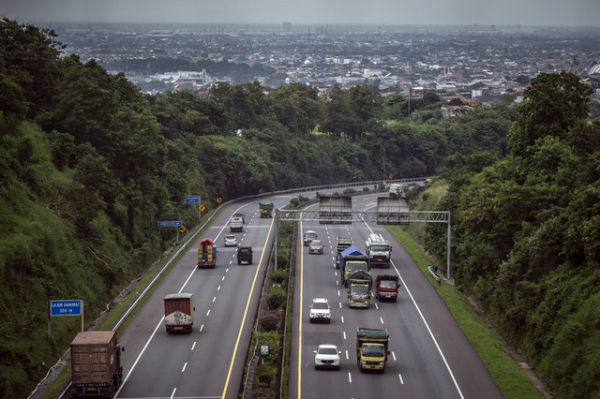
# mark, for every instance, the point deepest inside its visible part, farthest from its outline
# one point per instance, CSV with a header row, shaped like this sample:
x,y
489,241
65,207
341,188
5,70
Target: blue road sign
x,y
192,199
170,223
69,307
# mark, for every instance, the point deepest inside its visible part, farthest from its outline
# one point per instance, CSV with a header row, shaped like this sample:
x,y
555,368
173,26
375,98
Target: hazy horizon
x,y
550,13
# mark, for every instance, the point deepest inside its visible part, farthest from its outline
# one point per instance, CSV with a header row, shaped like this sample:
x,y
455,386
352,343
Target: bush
x,y
269,320
349,190
366,189
279,275
282,259
275,297
263,393
294,202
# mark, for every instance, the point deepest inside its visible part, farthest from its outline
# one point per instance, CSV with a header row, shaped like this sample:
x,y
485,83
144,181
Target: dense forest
x,y
89,164
526,234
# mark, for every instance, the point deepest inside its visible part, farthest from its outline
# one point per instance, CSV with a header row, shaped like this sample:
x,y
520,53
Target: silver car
x,y
230,240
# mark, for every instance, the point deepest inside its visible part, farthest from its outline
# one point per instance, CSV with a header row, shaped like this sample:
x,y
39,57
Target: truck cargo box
x,y
179,312
94,357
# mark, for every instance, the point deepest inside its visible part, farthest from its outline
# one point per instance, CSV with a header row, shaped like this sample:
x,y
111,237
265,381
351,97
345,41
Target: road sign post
x,y
171,223
194,199
65,307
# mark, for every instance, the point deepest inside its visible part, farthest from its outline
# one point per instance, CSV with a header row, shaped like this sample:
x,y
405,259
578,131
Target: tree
x,y
553,103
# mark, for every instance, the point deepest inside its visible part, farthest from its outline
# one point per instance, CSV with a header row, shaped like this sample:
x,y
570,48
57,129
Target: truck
x,y
396,190
96,369
372,349
207,253
335,209
341,243
265,209
359,289
392,210
352,259
236,224
244,255
386,287
179,312
378,250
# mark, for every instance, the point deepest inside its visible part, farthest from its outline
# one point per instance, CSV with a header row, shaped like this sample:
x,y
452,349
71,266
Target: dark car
x,y
244,255
315,247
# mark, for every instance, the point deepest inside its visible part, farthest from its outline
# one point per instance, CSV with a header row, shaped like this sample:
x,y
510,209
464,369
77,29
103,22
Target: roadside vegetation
x,y
89,164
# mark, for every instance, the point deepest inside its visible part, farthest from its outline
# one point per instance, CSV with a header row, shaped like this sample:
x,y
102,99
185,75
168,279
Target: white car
x,y
320,310
327,356
230,240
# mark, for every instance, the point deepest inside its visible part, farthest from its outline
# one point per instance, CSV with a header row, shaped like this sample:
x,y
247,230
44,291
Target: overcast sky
x,y
383,12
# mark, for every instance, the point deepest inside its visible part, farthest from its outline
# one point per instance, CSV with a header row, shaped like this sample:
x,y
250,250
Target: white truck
x,y
379,251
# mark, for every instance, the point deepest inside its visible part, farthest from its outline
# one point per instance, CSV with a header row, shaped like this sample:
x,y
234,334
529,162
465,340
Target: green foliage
x,y
526,231
278,276
276,296
269,320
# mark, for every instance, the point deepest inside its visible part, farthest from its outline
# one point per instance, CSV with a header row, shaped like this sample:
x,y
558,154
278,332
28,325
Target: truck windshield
x,y
380,248
373,350
356,266
359,289
388,284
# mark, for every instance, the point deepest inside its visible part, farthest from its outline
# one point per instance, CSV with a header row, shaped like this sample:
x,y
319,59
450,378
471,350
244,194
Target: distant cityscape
x,y
471,63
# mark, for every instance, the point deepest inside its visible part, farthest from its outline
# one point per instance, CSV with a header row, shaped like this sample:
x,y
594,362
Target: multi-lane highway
x,y
209,362
430,356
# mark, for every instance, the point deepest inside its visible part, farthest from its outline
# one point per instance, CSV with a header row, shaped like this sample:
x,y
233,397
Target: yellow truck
x,y
371,349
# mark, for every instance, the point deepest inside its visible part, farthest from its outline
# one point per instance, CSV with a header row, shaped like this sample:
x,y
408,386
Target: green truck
x,y
372,349
359,289
265,208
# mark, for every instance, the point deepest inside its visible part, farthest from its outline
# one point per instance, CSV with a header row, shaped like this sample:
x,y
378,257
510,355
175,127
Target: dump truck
x,y
378,250
352,259
371,349
335,209
179,312
392,210
207,253
96,369
386,287
359,289
244,255
265,209
236,224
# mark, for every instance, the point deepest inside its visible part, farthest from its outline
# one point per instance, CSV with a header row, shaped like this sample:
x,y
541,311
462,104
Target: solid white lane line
x,y
184,366
194,345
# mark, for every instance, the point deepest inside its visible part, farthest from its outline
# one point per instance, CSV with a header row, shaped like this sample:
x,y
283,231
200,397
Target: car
x,y
244,255
319,311
239,216
327,356
230,240
309,236
315,247
236,224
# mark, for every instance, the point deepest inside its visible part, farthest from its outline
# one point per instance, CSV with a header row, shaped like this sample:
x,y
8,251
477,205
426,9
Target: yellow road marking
x,y
237,341
300,313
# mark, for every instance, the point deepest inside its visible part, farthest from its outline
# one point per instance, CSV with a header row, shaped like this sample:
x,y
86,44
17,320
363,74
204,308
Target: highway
x,y
430,356
209,362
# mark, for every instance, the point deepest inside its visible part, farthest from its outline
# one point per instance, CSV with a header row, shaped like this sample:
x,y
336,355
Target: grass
x,y
119,310
510,378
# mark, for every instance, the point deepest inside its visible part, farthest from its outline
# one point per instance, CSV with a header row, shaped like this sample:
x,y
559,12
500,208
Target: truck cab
x,y
371,349
265,208
359,289
379,250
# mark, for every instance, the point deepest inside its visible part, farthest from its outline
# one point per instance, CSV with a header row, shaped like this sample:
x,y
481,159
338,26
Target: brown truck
x,y
179,312
96,369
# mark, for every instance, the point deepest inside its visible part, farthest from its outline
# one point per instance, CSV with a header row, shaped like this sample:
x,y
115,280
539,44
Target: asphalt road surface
x,y
430,356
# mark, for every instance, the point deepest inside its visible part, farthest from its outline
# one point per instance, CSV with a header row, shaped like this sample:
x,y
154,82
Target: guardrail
x,y
57,367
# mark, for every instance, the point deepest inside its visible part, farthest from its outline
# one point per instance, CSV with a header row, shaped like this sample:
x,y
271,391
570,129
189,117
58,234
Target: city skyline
x,y
377,12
